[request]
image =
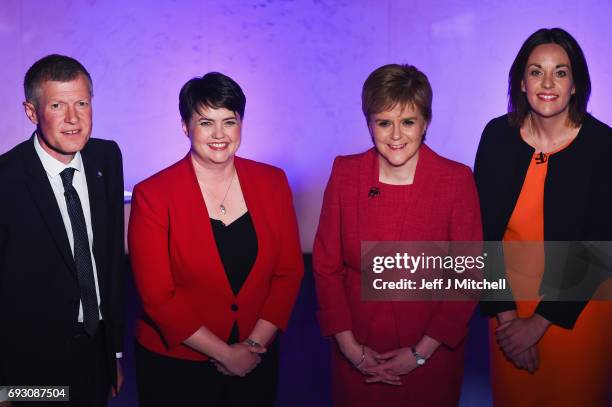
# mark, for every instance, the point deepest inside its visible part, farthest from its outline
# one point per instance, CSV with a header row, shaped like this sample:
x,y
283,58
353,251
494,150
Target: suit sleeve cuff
x,y
334,321
492,308
175,319
278,318
561,313
447,331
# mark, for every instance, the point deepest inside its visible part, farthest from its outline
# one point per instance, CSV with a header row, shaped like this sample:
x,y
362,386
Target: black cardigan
x,y
577,199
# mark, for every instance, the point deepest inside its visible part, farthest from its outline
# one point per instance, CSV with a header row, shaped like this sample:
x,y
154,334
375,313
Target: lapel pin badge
x,y
99,174
373,192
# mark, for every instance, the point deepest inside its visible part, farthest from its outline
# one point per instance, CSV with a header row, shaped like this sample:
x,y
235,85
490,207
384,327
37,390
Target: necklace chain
x,y
222,207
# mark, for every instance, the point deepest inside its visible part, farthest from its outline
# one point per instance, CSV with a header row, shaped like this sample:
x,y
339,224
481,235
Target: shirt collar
x,y
52,166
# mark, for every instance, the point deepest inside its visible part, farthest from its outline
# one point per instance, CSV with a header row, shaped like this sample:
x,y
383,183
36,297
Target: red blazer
x,y
444,207
178,270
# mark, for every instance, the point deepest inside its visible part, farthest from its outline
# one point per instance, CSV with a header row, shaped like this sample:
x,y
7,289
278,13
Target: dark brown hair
x,y
518,107
395,84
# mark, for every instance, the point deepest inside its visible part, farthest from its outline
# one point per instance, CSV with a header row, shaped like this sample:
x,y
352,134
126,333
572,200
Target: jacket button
x,y
234,307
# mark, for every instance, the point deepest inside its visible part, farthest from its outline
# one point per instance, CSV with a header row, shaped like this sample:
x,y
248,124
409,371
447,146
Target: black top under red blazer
x,y
577,197
177,268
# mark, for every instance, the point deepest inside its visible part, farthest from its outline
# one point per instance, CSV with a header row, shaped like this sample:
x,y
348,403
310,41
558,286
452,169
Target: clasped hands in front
x,y
381,367
518,338
239,359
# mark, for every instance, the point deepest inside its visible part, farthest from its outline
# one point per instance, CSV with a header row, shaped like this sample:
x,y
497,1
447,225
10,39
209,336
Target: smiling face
x,y
397,135
547,81
215,135
63,116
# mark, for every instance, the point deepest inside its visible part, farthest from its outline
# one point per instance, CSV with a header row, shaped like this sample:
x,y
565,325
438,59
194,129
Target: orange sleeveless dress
x,y
575,365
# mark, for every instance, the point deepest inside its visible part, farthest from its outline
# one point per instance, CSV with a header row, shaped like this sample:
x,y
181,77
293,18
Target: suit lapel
x,y
370,214
367,225
413,209
516,157
42,193
422,191
96,182
200,240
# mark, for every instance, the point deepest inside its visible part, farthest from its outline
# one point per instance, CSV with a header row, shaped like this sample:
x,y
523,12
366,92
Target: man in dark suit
x,y
61,243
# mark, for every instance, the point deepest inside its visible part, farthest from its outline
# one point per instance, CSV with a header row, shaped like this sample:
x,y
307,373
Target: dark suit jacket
x,y
39,293
577,202
178,270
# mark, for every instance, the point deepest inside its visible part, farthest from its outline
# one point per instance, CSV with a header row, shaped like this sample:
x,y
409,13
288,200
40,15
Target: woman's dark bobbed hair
x,y
213,90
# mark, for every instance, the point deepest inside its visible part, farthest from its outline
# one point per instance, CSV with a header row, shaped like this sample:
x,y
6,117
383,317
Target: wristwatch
x,y
252,343
420,359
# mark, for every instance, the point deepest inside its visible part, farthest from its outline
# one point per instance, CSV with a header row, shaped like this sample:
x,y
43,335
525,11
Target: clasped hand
x,y
384,368
240,360
518,340
396,362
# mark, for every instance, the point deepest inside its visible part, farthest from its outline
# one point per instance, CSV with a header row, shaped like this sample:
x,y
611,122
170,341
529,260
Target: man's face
x,y
63,117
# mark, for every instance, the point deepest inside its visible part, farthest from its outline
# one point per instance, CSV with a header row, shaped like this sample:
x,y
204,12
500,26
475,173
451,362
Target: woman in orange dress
x,y
541,172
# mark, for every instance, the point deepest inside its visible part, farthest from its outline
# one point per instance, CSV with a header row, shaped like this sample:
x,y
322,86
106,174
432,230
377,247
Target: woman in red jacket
x,y
400,190
216,257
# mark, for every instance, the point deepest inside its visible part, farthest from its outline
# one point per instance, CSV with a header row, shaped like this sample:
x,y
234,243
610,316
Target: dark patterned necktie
x,y
82,255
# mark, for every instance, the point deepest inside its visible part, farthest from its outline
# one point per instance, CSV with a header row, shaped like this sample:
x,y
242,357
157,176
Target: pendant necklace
x,y
221,206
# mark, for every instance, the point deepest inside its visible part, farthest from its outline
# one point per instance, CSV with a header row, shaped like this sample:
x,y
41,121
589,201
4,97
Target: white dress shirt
x,y
53,168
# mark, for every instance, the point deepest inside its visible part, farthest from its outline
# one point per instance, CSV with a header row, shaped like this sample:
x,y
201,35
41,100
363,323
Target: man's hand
x,y
120,380
4,402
